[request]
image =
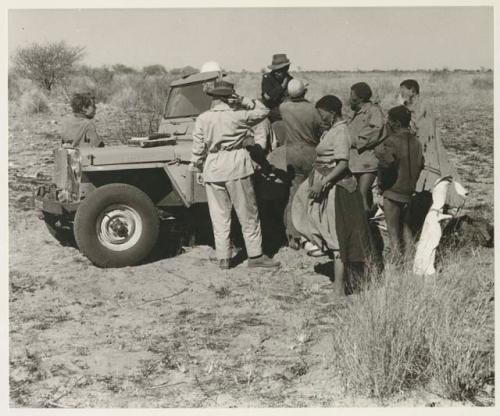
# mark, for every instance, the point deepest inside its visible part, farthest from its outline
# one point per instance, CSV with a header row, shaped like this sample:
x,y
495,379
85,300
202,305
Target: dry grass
x,y
409,331
241,338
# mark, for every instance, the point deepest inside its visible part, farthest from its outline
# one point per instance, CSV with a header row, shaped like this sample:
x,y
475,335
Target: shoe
x,y
225,264
312,250
316,252
263,261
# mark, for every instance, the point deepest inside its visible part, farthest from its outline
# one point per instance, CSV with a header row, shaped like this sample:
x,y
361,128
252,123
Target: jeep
x,y
111,199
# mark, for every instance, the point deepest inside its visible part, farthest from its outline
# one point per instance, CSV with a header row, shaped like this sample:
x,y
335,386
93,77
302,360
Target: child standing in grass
x,y
400,163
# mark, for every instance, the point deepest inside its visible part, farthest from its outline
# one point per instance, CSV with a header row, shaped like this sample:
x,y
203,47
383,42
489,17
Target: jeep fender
x,y
184,184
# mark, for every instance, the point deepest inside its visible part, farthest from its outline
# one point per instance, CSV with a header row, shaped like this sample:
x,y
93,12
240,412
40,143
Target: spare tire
x,y
117,225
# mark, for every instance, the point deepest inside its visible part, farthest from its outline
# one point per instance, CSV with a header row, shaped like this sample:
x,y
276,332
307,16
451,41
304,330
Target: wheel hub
x,y
119,227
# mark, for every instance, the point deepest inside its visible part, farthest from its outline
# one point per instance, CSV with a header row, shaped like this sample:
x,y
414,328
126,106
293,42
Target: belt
x,y
224,149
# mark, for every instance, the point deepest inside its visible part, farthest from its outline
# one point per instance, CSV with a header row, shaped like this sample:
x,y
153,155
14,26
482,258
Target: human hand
x,y
199,179
316,189
235,100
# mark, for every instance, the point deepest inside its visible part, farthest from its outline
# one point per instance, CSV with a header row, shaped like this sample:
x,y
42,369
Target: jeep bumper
x,y
45,201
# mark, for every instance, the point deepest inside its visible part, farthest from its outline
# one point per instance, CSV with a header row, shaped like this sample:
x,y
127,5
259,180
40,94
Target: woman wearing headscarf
x,y
328,208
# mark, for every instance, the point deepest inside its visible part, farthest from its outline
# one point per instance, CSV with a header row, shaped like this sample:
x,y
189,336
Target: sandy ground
x,y
178,331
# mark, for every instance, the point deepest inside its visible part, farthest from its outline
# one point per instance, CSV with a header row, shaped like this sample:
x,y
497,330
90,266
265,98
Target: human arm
x,y
337,143
261,144
320,186
387,160
254,111
199,148
372,132
272,90
91,138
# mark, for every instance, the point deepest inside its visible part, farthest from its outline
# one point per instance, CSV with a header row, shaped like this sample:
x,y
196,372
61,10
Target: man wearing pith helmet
x,y
302,125
274,83
219,152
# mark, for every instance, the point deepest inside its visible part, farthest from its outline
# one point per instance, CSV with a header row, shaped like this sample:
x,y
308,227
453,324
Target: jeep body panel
x,y
79,171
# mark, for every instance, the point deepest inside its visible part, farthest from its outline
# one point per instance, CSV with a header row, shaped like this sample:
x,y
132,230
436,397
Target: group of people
x,y
247,151
303,173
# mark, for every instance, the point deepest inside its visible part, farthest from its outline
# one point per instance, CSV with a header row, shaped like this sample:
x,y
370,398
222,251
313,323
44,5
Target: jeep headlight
x,y
68,173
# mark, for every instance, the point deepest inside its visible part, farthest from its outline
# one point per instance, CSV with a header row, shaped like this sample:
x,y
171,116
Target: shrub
x,y
483,83
123,69
438,76
154,70
48,64
79,83
34,101
409,330
380,343
127,98
102,78
14,91
461,337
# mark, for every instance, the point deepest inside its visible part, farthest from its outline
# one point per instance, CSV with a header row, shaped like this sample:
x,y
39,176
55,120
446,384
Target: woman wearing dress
x,y
328,208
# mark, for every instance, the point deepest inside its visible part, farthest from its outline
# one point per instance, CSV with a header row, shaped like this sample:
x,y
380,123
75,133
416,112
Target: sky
x,y
314,38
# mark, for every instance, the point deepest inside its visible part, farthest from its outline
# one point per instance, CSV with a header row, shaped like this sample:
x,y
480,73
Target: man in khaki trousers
x,y
219,149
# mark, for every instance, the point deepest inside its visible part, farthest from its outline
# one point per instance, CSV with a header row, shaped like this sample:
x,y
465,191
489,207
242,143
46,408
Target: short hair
x,y
411,84
330,103
362,90
401,114
79,101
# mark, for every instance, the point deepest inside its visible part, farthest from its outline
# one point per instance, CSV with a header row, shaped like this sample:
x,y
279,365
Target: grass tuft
x,y
408,330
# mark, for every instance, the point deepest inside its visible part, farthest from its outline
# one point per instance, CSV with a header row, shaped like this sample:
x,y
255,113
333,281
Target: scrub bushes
x,y
409,331
141,99
34,101
483,83
14,90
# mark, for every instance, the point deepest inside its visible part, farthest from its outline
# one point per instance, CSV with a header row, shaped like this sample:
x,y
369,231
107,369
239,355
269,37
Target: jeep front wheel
x,y
116,225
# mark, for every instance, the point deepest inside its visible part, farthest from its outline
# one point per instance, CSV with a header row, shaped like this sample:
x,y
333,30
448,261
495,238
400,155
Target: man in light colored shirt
x,y
79,130
219,149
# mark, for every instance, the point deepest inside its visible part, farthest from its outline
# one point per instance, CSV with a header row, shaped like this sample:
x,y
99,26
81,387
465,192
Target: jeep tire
x,y
117,225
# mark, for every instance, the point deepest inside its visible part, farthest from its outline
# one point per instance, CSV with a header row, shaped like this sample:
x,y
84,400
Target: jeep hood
x,y
131,155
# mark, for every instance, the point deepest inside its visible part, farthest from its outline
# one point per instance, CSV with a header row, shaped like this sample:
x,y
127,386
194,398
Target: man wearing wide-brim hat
x,y
219,149
274,83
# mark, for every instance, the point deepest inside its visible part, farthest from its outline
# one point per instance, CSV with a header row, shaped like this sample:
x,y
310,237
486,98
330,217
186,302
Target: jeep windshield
x,y
187,101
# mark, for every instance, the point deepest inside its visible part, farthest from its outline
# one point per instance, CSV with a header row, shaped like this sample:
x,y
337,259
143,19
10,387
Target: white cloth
x,y
425,255
222,196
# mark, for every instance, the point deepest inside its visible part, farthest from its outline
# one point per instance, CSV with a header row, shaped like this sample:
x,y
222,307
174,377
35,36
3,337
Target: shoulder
x,y
286,105
203,116
375,109
339,132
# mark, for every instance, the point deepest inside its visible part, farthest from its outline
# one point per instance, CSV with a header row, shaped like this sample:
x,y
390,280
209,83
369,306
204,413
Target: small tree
x,y
154,70
48,64
123,69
